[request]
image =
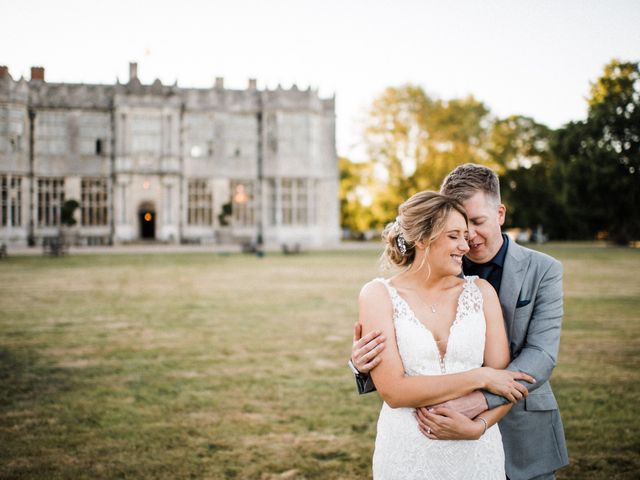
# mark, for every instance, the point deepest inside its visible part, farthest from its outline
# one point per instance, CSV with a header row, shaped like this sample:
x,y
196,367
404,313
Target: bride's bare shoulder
x,y
373,289
374,304
375,294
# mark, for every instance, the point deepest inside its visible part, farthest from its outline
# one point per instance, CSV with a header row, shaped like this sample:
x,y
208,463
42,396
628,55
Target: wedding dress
x,y
401,451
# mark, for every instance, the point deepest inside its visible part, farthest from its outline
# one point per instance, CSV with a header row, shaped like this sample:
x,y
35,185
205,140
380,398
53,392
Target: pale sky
x,y
534,57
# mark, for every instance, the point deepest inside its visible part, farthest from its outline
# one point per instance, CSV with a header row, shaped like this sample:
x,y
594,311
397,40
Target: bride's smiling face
x,y
446,251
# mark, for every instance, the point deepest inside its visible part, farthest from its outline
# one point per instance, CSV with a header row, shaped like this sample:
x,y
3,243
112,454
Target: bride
x,y
450,341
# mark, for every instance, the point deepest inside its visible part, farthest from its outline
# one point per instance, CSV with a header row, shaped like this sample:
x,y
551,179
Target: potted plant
x,y
68,232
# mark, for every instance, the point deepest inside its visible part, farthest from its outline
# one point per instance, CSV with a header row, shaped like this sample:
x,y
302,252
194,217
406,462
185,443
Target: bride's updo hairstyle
x,y
422,218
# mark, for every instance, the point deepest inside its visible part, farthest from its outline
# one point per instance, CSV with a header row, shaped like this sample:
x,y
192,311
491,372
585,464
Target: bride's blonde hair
x,y
422,218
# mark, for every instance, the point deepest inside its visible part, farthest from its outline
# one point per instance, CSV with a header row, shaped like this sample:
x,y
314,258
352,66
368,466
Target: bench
x,y
292,249
54,246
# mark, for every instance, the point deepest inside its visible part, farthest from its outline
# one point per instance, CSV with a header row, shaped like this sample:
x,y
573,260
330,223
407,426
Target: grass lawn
x,y
210,366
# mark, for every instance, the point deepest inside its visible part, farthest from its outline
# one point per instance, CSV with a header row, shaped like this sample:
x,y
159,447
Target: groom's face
x,y
485,220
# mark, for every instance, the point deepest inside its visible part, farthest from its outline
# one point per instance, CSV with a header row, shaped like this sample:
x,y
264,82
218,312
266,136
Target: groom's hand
x,y
365,350
445,424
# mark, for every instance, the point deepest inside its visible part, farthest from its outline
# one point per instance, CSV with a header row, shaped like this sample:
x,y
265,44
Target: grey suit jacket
x,y
531,300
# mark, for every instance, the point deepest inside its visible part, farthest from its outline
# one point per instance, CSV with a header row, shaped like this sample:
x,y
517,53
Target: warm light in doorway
x,y
240,196
147,217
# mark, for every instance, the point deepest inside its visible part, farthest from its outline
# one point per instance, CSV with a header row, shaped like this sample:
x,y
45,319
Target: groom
x,y
529,285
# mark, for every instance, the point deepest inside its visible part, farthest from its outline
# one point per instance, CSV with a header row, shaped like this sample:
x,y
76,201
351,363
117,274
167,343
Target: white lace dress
x,y
402,452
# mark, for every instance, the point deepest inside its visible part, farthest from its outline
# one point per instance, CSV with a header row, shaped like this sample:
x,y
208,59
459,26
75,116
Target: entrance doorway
x,y
147,221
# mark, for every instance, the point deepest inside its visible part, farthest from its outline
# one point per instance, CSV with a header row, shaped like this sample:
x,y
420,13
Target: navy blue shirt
x,y
490,271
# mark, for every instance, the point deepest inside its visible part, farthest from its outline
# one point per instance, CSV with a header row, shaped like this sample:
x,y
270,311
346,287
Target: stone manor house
x,y
180,165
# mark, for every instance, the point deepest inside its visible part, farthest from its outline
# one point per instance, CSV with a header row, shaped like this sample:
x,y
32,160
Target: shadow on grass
x,y
29,392
24,377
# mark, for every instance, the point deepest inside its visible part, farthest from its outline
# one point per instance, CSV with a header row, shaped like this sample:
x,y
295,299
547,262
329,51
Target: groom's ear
x,y
502,213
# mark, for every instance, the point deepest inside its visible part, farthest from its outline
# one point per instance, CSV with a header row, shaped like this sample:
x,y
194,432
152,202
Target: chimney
x,y
253,84
37,73
133,71
220,83
4,71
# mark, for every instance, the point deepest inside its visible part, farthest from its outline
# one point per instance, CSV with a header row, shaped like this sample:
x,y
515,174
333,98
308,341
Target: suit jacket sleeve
x,y
540,351
364,382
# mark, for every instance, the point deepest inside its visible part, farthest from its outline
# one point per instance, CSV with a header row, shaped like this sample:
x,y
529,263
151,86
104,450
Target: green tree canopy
x,y
575,182
601,157
355,185
520,147
415,140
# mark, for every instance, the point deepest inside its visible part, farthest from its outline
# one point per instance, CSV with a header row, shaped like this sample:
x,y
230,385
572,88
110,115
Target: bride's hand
x,y
504,383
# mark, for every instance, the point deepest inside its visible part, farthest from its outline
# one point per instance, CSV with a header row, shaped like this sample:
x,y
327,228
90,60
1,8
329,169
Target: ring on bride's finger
x,y
429,430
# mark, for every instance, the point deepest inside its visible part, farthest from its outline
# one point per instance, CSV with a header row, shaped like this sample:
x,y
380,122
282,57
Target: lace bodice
x,y
401,451
417,346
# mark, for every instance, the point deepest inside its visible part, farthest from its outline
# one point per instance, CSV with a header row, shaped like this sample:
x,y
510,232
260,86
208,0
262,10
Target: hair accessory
x,y
397,224
402,244
400,241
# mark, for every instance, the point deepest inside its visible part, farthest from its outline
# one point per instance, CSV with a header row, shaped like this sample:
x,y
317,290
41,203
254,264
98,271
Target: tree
x,y
602,156
457,133
414,141
520,148
355,180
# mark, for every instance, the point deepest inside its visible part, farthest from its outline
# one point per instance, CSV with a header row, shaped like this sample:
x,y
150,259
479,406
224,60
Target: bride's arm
x,y
494,415
496,355
399,390
496,348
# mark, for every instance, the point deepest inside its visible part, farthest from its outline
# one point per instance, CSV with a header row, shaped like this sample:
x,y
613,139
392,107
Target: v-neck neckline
x,y
456,319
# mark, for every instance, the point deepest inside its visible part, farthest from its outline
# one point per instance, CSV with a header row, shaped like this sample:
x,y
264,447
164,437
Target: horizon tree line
x,y
580,181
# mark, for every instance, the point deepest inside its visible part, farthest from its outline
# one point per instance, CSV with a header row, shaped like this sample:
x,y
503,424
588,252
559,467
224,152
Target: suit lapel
x,y
513,273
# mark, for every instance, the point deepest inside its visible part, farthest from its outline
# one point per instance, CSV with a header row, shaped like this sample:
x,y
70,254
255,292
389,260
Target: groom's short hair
x,y
465,180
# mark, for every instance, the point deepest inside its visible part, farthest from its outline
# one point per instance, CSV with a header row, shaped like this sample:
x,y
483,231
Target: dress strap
x,y
471,296
470,280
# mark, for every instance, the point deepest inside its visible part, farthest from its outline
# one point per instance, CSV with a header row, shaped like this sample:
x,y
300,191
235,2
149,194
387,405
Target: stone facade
x,y
167,163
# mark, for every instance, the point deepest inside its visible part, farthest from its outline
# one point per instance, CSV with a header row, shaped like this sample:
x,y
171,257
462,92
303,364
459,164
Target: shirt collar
x,y
498,260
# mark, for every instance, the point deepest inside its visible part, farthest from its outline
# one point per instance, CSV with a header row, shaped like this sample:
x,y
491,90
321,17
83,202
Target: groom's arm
x,y
540,351
364,382
364,357
470,405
